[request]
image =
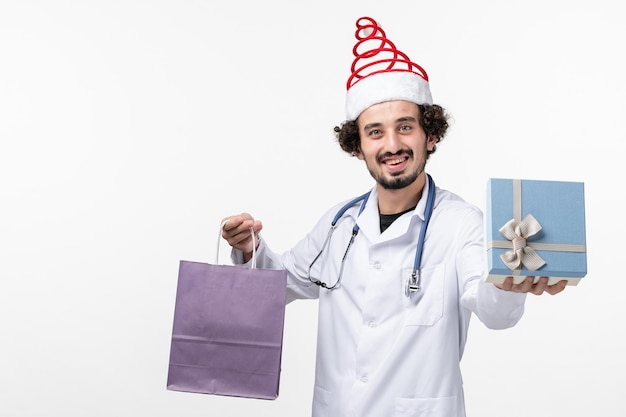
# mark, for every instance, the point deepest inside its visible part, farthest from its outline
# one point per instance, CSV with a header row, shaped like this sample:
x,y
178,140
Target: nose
x,y
392,142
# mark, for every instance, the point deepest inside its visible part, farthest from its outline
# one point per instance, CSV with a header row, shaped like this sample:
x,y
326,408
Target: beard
x,y
396,183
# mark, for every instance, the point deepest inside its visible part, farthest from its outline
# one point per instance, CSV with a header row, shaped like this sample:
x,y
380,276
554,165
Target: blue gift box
x,y
535,228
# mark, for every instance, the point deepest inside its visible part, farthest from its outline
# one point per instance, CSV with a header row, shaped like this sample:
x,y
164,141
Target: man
x,y
394,306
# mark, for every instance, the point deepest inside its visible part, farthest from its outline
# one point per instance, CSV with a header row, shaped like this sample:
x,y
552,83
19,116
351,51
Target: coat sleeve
x,y
296,260
495,308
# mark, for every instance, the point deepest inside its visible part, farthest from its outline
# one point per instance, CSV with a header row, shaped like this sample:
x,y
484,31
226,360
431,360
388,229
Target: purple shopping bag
x,y
228,330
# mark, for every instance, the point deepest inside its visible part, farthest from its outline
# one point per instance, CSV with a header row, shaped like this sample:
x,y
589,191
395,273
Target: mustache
x,y
401,152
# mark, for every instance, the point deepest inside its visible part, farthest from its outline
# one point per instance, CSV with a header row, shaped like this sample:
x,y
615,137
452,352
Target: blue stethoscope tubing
x,y
355,231
414,282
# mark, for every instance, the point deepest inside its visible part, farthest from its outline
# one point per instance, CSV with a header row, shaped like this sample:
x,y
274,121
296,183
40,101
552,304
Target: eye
x,y
375,133
406,128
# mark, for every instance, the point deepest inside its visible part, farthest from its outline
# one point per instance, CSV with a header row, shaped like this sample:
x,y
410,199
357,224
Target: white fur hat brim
x,y
386,86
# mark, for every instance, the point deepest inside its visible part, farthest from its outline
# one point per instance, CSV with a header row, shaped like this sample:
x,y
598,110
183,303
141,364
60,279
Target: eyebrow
x,y
371,126
399,120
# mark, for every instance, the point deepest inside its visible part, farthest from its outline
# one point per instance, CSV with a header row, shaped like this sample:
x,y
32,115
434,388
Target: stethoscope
x,y
413,283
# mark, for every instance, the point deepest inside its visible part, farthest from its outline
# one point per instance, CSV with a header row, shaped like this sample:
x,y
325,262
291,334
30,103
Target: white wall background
x,y
129,129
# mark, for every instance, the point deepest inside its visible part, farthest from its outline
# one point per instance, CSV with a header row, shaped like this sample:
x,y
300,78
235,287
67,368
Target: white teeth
x,y
395,161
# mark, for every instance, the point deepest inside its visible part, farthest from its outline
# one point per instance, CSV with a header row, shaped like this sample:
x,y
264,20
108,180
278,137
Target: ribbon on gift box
x,y
517,231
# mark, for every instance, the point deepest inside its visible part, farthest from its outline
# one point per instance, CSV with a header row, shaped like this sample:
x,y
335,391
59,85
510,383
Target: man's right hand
x,y
236,231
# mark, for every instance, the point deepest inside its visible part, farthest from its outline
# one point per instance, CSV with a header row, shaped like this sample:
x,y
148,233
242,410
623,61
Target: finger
x,y
507,284
248,223
556,288
232,222
237,225
241,241
257,226
540,286
526,285
246,216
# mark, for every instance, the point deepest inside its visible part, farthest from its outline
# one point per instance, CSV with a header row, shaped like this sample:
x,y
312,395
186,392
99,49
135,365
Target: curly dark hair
x,y
433,119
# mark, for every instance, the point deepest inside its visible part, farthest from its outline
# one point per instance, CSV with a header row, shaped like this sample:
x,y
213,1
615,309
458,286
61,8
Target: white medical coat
x,y
380,353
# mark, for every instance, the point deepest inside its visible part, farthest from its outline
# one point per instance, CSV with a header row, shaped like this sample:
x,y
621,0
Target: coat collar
x,y
369,220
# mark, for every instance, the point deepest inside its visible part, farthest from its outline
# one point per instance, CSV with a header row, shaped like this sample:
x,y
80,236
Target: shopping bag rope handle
x,y
219,239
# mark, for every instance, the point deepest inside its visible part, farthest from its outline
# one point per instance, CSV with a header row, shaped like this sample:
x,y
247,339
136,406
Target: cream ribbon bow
x,y
517,233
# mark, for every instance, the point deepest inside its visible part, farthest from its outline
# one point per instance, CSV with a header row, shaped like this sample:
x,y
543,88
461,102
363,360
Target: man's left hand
x,y
529,286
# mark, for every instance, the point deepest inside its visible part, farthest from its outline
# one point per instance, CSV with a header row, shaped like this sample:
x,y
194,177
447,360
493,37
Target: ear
x,y
358,154
431,142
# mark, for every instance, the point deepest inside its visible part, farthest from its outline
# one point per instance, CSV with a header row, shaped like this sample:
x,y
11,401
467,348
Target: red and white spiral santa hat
x,y
380,72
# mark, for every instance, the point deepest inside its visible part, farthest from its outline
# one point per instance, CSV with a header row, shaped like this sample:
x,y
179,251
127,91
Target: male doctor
x,y
401,273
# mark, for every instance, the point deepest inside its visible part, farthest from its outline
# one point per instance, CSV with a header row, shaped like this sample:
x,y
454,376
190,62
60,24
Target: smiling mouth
x,y
395,161
397,158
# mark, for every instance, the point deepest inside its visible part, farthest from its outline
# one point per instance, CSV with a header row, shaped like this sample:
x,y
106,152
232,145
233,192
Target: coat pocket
x,y
426,407
424,307
321,399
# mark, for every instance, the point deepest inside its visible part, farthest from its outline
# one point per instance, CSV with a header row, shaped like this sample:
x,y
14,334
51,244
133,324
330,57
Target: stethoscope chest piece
x,y
413,283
